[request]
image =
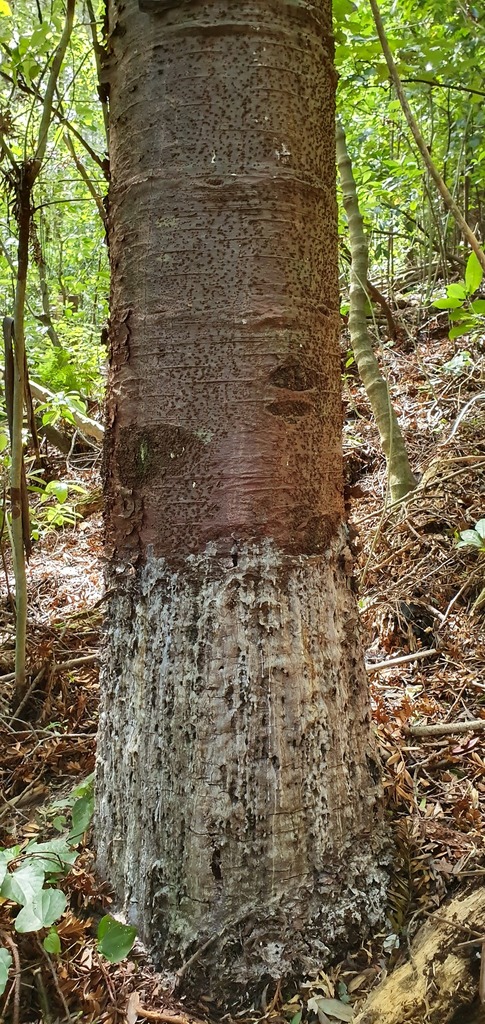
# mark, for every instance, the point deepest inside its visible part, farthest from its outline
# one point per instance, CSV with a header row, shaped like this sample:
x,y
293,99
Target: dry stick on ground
x,y
447,728
134,1007
448,200
401,477
403,659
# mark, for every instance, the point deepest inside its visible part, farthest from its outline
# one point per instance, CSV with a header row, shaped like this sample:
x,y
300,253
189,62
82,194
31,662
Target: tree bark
x,y
238,786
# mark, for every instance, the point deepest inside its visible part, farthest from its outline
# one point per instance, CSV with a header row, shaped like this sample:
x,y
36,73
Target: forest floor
x,y
419,597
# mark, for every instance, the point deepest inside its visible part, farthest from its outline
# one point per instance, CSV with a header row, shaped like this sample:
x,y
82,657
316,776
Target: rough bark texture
x,y
237,780
237,774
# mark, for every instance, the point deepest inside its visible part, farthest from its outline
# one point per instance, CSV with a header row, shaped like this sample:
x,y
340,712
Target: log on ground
x,y
439,984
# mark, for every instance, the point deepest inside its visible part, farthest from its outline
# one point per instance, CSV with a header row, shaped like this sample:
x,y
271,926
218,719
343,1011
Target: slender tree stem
x,y
401,478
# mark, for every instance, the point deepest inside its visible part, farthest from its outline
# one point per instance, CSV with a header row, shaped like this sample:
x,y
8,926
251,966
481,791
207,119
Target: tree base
x,y
238,784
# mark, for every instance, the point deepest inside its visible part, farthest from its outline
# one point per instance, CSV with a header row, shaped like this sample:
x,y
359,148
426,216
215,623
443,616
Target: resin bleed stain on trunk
x,y
237,778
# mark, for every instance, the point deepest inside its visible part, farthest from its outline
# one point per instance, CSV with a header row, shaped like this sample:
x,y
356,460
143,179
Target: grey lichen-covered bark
x,y
238,784
400,475
237,778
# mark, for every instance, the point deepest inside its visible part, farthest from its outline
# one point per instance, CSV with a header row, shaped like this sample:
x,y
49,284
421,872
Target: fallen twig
x,y
404,659
444,728
134,1007
87,659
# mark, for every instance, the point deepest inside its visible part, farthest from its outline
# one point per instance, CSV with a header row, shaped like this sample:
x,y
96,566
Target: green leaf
x,y
470,538
4,441
447,303
297,1017
25,883
54,857
480,528
59,489
464,328
52,942
473,274
115,939
5,962
456,291
50,417
6,856
478,307
46,907
333,1007
82,813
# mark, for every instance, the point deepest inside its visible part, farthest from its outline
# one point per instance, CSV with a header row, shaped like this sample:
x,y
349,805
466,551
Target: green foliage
x,y
473,538
75,368
29,877
5,963
115,939
468,315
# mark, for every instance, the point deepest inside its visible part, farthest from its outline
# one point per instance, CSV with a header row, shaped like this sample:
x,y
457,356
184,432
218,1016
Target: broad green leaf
x,y
470,538
334,1008
25,883
297,1018
46,907
473,274
478,306
448,303
460,313
464,328
50,417
59,489
480,528
4,441
115,939
54,857
341,8
82,813
5,962
456,291
6,856
52,942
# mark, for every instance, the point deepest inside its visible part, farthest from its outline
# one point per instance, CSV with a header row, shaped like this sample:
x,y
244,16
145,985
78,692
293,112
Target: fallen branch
x,y
86,425
438,983
88,659
403,659
445,728
135,1009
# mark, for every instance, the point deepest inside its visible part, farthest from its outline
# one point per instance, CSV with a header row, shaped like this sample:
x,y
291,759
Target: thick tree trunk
x,y
237,774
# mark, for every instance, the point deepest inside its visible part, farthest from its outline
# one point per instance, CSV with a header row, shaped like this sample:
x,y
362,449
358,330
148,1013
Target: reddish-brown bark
x,y
237,816
225,408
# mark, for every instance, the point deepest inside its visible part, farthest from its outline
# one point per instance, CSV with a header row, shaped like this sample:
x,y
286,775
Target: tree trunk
x,y
237,780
